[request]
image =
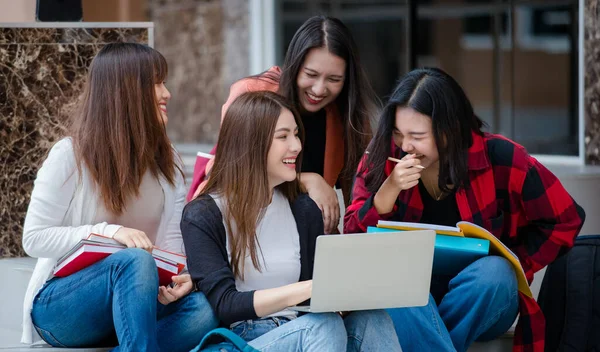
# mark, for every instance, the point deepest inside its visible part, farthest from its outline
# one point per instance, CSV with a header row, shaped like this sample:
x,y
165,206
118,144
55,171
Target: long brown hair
x,y
118,133
358,104
433,93
239,173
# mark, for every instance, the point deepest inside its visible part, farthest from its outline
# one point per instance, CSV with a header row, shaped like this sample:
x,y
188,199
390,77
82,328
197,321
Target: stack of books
x,y
457,247
97,247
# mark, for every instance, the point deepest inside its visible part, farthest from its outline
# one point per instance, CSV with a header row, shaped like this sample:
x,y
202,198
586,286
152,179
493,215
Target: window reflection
x,y
516,60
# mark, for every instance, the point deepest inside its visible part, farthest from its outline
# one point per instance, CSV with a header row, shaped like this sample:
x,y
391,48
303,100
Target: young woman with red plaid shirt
x,y
468,175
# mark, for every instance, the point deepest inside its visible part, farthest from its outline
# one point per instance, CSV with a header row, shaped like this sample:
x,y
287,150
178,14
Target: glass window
x,y
378,28
544,88
517,61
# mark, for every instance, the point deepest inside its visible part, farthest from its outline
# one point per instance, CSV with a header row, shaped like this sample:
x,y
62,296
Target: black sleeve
x,y
204,239
309,221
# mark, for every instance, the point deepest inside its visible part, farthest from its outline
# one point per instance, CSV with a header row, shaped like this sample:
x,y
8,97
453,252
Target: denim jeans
x,y
114,302
359,331
480,303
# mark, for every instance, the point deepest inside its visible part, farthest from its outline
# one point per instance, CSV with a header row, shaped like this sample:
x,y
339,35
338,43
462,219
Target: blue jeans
x,y
114,302
359,331
480,303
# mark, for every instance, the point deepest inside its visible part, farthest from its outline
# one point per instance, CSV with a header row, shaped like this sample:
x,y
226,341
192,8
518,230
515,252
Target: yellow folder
x,y
467,229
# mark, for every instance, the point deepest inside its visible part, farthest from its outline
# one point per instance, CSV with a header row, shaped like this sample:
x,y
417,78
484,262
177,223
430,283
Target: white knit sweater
x,y
62,208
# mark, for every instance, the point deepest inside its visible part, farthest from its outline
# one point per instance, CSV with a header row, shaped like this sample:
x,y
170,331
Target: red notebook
x,y
84,256
166,270
97,247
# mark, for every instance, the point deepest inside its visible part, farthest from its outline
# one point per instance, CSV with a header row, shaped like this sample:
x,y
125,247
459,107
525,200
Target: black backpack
x,y
570,298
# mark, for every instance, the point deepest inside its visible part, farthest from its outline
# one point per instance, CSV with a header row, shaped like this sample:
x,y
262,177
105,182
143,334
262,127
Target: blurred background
x,y
517,60
530,67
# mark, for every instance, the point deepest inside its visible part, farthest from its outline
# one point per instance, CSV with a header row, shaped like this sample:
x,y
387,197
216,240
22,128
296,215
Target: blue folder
x,y
451,253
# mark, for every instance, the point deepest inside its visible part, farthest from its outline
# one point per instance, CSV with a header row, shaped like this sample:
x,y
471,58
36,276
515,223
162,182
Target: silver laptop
x,y
371,271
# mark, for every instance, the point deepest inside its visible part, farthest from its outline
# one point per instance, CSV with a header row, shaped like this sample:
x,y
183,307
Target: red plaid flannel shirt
x,y
510,194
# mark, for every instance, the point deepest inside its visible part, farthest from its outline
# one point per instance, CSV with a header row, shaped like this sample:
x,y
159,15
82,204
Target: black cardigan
x,y
205,243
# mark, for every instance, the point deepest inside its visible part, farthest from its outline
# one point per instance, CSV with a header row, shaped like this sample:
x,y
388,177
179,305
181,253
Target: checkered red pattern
x,y
510,194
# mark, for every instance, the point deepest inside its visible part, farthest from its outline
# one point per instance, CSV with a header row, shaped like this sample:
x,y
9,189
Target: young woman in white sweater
x,y
116,175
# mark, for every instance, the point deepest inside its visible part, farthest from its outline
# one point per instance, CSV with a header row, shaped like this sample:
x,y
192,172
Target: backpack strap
x,y
229,336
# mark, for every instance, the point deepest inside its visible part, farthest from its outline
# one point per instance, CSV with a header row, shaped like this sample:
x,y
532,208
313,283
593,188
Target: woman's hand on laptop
x,y
273,300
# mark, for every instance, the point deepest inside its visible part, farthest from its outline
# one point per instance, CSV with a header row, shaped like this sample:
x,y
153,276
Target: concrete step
x,y
503,343
17,272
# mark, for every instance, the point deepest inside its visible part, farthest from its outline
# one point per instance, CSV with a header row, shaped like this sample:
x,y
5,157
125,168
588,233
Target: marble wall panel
x,y
592,81
206,46
42,72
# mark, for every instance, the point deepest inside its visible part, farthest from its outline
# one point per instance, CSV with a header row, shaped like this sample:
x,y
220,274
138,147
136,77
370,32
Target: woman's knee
x,y
330,324
378,318
324,319
495,274
135,263
132,255
371,330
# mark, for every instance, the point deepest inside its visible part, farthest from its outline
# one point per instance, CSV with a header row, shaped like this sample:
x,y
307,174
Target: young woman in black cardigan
x,y
250,238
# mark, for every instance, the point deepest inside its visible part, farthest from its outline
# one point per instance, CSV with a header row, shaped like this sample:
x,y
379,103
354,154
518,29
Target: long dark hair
x,y
239,174
118,133
434,93
357,101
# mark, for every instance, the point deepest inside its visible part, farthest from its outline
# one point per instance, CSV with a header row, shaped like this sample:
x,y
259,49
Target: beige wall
x,y
17,10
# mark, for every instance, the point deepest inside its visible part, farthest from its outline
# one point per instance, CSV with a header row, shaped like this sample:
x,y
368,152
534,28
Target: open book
x,y
467,229
97,247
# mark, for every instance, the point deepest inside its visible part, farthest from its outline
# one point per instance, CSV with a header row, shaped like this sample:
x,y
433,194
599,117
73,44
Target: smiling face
x,y
320,79
162,98
281,159
413,133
